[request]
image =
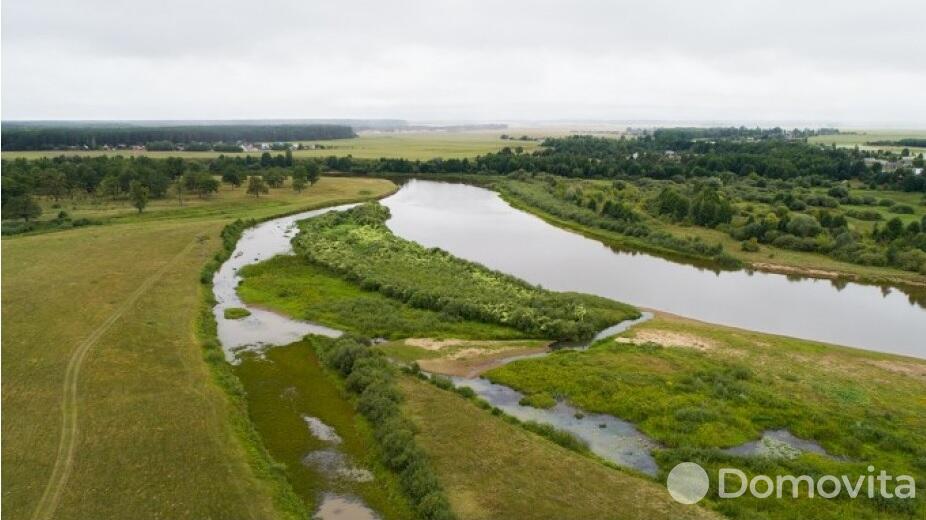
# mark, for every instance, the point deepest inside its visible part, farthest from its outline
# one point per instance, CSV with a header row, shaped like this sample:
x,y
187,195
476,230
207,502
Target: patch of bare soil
x,y
471,362
669,338
434,344
905,368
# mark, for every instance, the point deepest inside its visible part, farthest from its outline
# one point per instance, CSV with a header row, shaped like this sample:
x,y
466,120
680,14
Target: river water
x,y
476,224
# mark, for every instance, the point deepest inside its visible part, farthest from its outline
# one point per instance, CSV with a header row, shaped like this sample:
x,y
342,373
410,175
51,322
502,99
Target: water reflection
x,y
476,224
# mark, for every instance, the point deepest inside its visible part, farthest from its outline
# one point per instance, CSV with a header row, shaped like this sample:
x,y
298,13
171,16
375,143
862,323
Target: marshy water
x,y
476,224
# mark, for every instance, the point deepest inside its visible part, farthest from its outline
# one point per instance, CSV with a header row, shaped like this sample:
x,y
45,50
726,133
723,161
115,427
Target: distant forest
x,y
51,138
900,142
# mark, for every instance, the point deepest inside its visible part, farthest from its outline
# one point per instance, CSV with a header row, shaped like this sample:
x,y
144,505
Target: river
x,y
476,224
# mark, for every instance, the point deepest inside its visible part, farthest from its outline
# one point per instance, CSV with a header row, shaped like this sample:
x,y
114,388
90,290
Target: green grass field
x,y
117,303
851,138
695,387
411,145
292,286
492,469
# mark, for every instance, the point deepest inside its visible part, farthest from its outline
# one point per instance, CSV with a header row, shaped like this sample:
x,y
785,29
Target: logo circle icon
x,y
688,483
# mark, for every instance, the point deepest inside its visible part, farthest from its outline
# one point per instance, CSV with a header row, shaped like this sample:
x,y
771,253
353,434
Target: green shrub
x,y
751,245
370,376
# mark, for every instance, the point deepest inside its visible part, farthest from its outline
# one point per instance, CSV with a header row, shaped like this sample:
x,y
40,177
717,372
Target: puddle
x,y
777,444
320,430
333,463
338,507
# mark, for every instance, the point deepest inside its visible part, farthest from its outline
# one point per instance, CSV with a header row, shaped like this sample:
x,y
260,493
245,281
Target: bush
x,y
902,209
804,225
751,245
369,375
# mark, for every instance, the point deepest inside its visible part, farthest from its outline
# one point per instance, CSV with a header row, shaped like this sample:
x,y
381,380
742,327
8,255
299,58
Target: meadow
x,y
292,286
410,145
696,388
491,468
103,321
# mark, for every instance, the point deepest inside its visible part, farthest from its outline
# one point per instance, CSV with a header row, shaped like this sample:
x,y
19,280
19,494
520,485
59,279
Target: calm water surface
x,y
476,224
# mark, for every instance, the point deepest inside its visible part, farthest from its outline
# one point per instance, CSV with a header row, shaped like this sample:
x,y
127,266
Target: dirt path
x,y
67,444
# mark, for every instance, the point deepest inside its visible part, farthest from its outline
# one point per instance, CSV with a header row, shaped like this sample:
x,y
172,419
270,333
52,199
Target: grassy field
x,y
101,320
411,145
697,387
852,138
492,469
290,285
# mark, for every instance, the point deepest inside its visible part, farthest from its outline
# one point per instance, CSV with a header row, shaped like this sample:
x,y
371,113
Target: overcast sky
x,y
830,61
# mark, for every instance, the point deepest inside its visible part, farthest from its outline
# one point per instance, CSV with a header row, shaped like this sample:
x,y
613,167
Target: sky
x,y
847,62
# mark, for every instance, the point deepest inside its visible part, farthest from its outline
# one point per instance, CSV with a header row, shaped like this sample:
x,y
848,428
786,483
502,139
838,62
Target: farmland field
x,y
155,435
851,138
412,145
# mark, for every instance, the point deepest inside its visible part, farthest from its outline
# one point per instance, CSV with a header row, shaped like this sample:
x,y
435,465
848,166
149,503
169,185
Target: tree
x,y
109,187
274,177
709,209
138,192
299,183
178,186
53,183
256,186
206,186
22,206
232,176
312,172
266,160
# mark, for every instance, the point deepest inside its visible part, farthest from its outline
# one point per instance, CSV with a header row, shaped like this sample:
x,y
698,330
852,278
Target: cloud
x,y
541,59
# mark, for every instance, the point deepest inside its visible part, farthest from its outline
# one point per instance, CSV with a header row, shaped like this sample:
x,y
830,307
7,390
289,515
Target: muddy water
x,y
476,224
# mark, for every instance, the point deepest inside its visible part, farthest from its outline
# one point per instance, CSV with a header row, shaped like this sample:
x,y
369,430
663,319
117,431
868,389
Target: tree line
x,y
51,138
663,154
138,180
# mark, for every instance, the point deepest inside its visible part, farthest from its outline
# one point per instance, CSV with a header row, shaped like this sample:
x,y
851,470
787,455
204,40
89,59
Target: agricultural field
x,y
696,388
100,323
411,145
853,138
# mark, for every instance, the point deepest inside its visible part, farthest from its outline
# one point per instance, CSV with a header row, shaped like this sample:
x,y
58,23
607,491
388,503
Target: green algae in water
x,y
284,388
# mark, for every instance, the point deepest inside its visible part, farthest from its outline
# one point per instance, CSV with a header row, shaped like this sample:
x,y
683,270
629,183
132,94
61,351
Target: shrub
x,y
751,245
369,375
902,209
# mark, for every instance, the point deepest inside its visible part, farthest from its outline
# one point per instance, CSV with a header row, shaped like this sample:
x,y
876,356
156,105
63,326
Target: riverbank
x,y
771,259
698,388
